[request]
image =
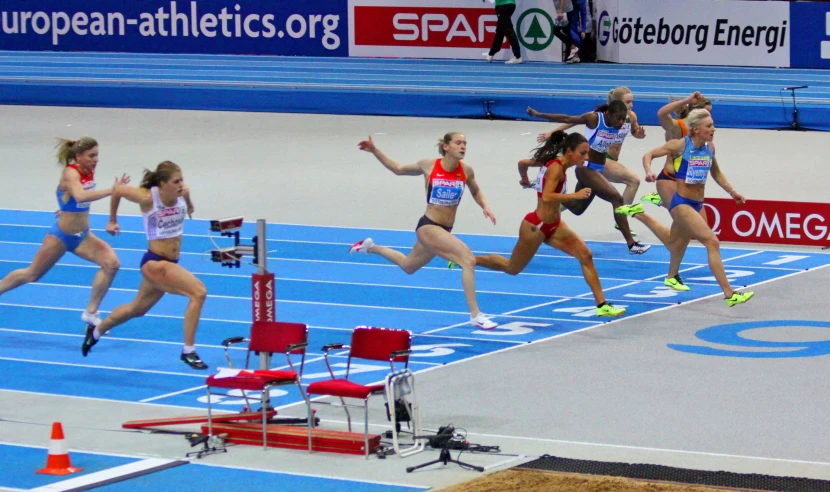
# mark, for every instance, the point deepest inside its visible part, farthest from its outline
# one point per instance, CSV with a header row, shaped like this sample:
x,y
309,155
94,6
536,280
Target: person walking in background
x,y
504,11
564,29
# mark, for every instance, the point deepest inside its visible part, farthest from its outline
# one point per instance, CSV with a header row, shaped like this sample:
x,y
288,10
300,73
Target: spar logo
x,y
604,24
535,29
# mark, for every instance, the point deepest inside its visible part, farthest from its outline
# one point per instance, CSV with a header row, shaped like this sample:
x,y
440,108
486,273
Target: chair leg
x,y
366,426
263,396
348,415
310,422
210,418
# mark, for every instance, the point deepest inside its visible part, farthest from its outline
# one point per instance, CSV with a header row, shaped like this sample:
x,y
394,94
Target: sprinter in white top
x,y
164,200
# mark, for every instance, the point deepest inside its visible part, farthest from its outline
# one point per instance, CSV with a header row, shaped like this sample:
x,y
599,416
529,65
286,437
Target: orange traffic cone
x,y
57,462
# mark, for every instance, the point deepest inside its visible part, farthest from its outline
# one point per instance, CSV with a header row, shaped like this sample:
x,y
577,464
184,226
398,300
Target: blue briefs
x,y
679,200
71,241
150,256
594,166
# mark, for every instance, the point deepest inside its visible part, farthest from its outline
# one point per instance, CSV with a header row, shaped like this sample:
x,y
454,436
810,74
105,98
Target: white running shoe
x,y
488,56
93,319
514,61
362,246
638,248
483,322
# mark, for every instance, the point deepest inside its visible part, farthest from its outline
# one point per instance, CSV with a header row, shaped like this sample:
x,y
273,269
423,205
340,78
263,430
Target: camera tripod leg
x,y
445,458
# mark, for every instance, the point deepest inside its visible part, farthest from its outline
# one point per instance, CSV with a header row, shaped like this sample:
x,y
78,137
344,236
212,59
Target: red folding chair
x,y
376,344
272,337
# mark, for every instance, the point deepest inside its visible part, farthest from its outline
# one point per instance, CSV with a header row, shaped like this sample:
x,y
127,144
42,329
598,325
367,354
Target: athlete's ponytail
x,y
161,175
558,143
69,149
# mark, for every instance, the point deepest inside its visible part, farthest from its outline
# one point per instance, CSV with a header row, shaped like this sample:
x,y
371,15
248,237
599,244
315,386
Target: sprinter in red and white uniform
x,y
164,201
445,179
70,232
544,225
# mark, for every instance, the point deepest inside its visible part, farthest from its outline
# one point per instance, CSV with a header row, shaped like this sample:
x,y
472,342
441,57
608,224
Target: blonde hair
x,y
696,117
161,175
68,150
446,139
618,93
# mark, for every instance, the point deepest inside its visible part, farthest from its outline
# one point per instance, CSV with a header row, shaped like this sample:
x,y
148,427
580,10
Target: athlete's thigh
x,y
530,238
566,240
94,249
692,222
147,297
47,255
443,243
171,278
616,172
666,188
420,254
599,185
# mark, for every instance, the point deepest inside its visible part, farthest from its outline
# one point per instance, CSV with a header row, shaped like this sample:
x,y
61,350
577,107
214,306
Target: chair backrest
x,y
276,336
378,343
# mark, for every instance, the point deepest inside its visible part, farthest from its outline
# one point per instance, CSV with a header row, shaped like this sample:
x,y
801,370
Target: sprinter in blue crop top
x,y
695,160
70,232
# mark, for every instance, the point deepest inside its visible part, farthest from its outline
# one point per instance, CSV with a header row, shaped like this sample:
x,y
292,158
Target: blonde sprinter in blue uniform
x,y
445,179
696,162
70,232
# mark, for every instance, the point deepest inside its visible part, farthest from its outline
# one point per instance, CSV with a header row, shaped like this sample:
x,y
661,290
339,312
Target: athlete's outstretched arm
x,y
588,119
721,180
141,196
389,163
478,195
672,147
665,114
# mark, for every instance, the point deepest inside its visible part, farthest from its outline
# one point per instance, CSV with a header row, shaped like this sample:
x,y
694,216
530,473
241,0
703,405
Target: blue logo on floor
x,y
734,334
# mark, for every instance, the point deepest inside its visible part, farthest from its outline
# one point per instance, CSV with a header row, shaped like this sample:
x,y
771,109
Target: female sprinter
x,y
675,129
445,179
70,232
696,161
602,128
544,224
164,201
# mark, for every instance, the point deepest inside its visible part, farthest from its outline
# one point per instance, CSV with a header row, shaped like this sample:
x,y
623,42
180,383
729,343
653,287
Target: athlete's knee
x,y
513,269
466,260
632,180
199,294
711,242
29,275
584,255
111,264
409,269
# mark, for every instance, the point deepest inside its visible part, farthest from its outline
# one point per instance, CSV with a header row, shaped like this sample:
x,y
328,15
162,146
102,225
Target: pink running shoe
x,y
362,246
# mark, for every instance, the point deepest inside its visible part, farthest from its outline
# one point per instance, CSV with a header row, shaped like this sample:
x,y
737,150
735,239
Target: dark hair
x,y
616,108
556,144
162,174
69,149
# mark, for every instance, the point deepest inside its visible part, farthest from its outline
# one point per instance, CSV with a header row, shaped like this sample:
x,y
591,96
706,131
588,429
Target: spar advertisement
x,y
287,27
773,222
447,29
694,32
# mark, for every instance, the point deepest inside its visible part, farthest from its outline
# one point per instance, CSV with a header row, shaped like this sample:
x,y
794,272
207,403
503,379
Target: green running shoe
x,y
629,230
738,298
451,265
630,210
653,198
606,310
676,283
